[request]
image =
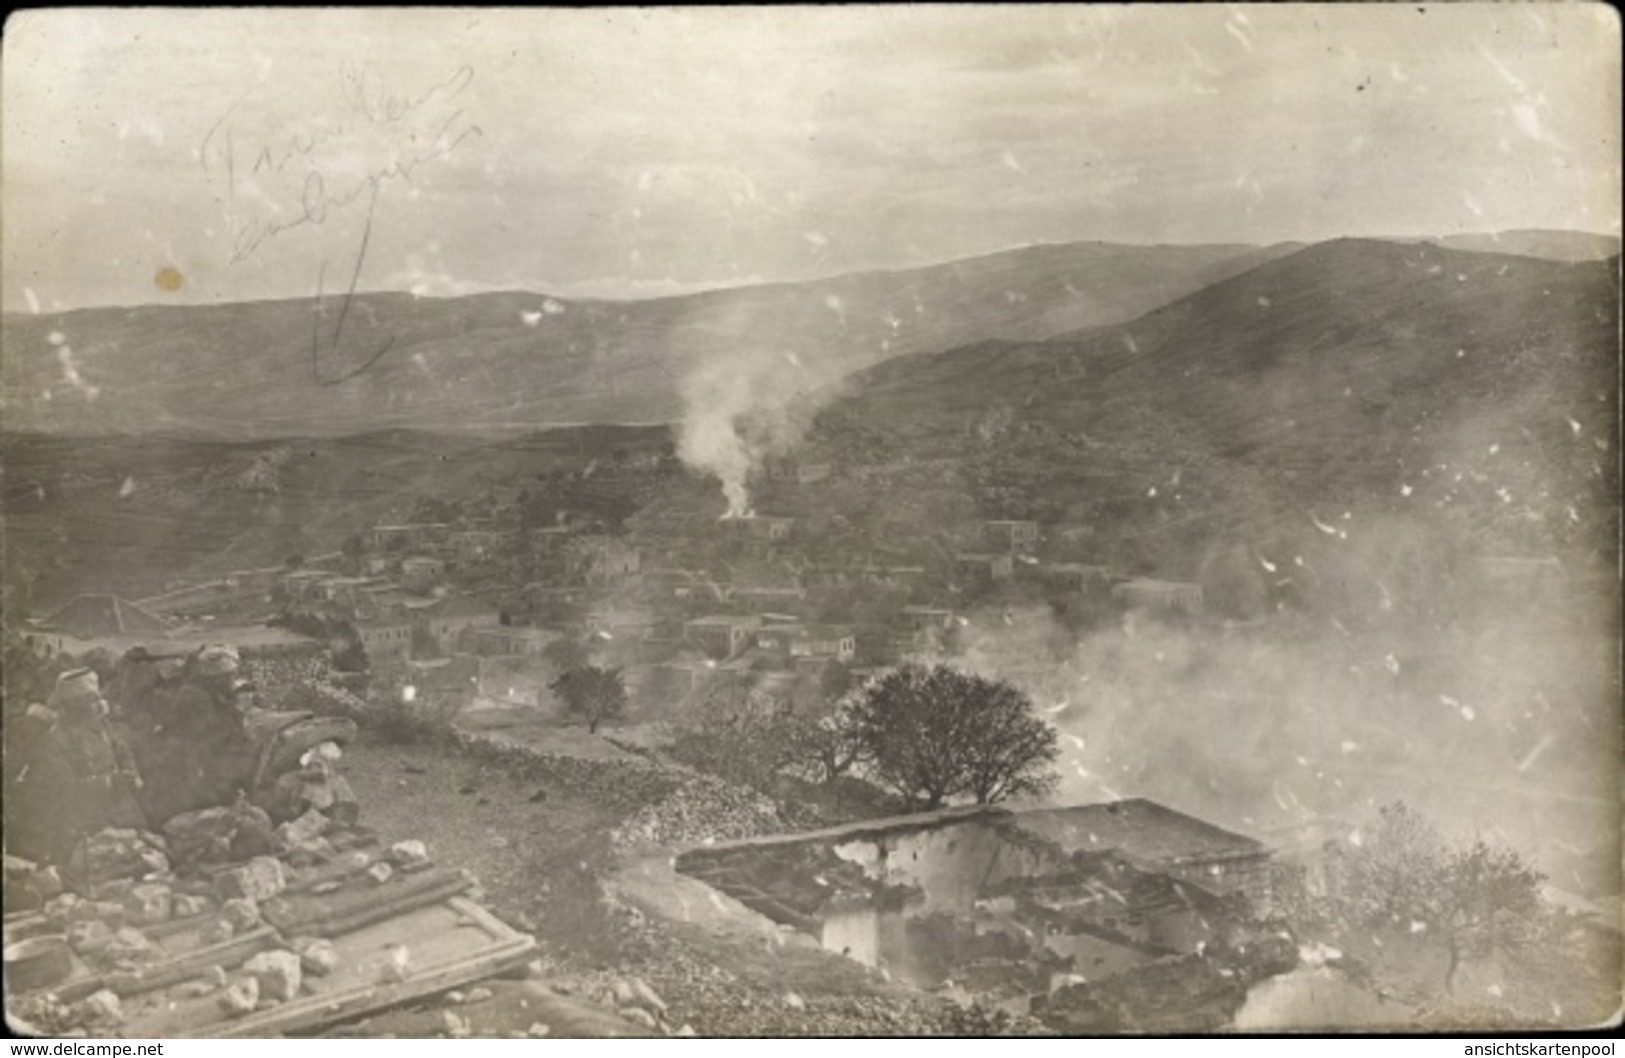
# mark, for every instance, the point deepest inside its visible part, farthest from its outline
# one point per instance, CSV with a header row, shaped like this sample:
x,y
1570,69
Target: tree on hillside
x,y
1474,900
937,733
734,729
593,693
830,745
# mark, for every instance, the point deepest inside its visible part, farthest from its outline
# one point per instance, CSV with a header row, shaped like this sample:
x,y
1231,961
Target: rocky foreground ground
x,y
543,851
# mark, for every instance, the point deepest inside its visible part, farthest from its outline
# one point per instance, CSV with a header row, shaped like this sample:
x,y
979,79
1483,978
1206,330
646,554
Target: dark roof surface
x,y
1140,829
97,616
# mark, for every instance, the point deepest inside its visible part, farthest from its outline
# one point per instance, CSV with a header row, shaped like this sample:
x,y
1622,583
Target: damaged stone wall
x,y
951,864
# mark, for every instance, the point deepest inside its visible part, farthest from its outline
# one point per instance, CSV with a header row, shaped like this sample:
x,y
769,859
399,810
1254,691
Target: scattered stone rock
x,y
477,995
703,808
794,1001
243,914
100,1010
303,831
61,909
380,872
121,853
639,1016
213,980
538,1029
147,903
98,911
129,945
397,967
260,878
300,856
317,956
47,883
113,890
406,854
278,973
90,935
241,998
218,931
645,996
686,1032
456,1027
186,905
456,998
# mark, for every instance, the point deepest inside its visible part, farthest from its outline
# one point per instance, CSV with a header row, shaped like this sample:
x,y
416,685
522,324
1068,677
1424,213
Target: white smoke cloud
x,y
715,395
743,408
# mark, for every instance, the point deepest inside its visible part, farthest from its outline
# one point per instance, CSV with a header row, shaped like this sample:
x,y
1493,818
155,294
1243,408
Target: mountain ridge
x,y
506,361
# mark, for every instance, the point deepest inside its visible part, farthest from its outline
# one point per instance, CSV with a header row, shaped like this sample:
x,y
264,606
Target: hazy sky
x,y
216,156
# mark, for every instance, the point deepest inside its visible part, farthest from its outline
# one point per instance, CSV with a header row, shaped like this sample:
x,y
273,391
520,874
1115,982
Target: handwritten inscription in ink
x,y
281,173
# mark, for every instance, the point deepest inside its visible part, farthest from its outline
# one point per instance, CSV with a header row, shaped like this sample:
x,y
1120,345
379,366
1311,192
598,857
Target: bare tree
x,y
1474,900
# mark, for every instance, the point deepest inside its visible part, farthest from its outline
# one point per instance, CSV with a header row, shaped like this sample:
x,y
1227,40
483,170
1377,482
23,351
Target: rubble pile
x,y
628,995
314,693
677,994
1177,994
621,783
212,853
281,680
701,809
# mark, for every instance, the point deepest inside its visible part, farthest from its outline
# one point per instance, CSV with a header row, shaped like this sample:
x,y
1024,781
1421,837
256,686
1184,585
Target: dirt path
x,y
534,847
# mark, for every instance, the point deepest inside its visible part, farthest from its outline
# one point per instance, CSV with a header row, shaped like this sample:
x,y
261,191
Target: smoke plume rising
x,y
744,407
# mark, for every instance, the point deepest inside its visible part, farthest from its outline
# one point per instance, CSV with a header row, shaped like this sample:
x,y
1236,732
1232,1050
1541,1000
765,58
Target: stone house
x,y
446,620
385,639
415,535
926,618
761,527
473,545
763,600
621,624
980,567
817,642
301,584
796,472
504,641
1076,576
721,635
421,573
1011,535
601,560
1160,594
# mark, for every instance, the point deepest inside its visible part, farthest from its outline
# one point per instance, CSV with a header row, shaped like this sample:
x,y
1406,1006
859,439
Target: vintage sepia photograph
x,y
811,521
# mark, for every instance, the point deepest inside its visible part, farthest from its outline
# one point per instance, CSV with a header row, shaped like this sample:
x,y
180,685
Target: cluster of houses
x,y
763,598
421,592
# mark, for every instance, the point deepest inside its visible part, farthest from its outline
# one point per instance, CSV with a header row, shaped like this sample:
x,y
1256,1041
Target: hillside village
x,y
763,599
526,579
846,521
1174,607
